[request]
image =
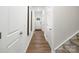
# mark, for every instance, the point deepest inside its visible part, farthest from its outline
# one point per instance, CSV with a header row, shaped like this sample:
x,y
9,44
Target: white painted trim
x,y
13,43
30,37
45,37
66,40
48,42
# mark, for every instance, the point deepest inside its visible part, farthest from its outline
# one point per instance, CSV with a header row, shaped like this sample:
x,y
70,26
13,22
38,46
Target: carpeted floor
x,y
71,46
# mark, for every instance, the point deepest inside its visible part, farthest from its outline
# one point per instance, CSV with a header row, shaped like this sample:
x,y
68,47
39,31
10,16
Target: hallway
x,y
38,43
39,29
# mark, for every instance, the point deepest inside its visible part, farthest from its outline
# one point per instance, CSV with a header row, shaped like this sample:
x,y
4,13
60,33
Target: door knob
x,y
50,29
21,33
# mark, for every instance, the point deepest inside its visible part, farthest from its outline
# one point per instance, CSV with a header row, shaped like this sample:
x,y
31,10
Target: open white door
x,y
12,29
3,27
38,23
16,23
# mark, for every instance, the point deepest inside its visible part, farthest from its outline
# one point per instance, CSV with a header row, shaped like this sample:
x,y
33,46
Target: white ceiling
x,y
37,7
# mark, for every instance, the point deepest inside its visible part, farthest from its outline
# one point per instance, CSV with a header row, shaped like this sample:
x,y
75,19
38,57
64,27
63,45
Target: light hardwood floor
x,y
38,43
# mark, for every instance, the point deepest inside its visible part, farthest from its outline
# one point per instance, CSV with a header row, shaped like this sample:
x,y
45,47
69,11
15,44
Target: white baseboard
x,y
66,40
30,37
48,42
45,37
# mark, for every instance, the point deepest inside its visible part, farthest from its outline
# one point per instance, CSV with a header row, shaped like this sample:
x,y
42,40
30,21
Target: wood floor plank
x,y
38,43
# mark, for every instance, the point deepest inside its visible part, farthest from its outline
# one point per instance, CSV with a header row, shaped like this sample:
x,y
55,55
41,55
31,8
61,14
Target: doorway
x,y
38,23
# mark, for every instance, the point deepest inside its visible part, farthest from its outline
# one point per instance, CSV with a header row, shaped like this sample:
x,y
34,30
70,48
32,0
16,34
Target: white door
x,y
3,27
12,29
38,23
16,26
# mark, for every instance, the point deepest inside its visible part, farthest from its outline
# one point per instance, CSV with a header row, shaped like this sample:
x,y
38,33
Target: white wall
x,y
3,26
62,23
66,23
49,26
44,20
16,14
78,16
